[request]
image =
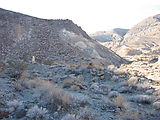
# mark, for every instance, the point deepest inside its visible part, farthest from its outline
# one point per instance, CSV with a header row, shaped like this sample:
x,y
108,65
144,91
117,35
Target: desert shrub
x,y
54,93
4,114
87,114
2,66
132,81
37,113
113,94
114,78
19,66
13,105
129,115
48,62
69,117
143,99
83,114
156,105
120,72
121,102
111,67
18,86
125,89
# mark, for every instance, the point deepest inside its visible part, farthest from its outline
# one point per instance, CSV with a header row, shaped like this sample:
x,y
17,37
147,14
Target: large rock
x,y
22,37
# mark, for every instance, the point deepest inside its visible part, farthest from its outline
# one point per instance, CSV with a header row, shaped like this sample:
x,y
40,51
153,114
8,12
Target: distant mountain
x,y
23,36
108,36
143,38
110,39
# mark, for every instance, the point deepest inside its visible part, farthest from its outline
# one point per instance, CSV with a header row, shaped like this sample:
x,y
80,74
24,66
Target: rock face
x,y
22,37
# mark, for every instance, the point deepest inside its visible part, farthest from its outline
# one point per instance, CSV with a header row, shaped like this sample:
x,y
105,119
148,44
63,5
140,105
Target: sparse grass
x,y
53,93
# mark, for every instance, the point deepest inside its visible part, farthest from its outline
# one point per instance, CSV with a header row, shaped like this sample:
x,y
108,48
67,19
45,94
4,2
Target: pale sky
x,y
91,15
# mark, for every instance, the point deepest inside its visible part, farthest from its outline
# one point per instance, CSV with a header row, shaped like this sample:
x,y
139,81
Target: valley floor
x,y
80,91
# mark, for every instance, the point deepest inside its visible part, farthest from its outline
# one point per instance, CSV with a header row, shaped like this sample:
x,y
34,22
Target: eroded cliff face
x,y
22,37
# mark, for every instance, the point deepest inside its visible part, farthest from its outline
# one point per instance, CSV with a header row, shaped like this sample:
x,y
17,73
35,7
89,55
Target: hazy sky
x,y
91,15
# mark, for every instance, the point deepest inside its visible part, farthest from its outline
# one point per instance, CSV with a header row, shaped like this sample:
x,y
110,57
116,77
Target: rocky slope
x,y
145,33
24,36
144,37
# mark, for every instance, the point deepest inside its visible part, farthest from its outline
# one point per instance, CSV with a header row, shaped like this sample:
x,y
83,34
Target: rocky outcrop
x,y
23,36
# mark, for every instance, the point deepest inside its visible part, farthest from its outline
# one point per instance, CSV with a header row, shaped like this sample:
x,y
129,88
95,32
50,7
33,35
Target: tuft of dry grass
x,y
121,102
132,81
53,93
129,115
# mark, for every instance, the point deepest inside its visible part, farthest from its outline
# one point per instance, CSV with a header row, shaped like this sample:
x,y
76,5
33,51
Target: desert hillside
x,y
53,70
144,38
24,36
145,33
